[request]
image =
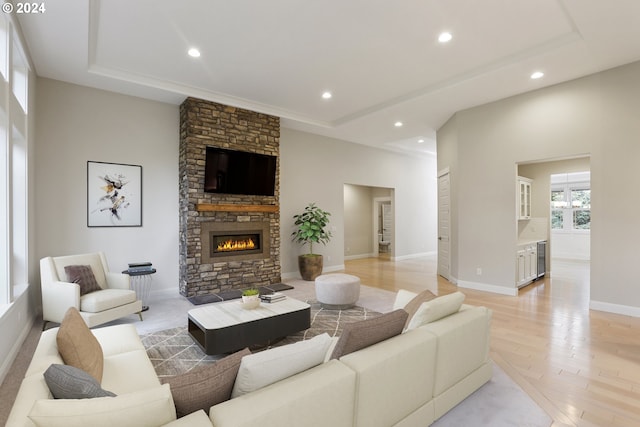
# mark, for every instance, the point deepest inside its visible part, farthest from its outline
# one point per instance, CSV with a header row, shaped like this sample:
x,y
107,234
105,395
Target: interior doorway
x,y
383,224
560,205
369,218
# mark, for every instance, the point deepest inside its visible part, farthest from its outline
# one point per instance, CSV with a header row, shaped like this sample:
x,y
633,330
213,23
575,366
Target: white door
x,y
387,222
444,225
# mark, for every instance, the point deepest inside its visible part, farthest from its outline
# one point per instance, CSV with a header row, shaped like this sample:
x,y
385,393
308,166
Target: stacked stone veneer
x,y
202,124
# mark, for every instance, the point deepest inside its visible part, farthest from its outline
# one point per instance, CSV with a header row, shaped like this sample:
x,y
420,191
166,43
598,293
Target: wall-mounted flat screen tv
x,y
239,172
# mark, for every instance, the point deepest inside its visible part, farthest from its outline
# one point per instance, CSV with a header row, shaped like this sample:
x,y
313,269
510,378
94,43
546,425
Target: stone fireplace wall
x,y
202,124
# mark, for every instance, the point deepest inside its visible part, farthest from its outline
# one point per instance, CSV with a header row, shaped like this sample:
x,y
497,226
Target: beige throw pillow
x,y
204,387
78,347
436,309
269,366
412,306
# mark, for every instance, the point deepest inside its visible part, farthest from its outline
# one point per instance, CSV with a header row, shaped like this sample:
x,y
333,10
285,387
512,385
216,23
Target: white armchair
x,y
113,300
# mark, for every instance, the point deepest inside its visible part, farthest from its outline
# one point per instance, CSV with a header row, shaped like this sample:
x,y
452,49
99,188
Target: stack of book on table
x,y
274,297
138,268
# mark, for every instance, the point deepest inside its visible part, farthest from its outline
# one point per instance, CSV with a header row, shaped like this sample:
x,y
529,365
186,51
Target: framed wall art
x,y
114,195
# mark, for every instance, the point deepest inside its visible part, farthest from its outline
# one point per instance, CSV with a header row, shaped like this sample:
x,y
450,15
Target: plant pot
x,y
250,301
310,266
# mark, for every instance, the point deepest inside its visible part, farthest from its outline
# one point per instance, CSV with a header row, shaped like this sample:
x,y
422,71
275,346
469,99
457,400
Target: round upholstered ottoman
x,y
337,291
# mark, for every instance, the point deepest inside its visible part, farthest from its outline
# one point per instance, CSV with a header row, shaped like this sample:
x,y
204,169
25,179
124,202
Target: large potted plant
x,y
311,227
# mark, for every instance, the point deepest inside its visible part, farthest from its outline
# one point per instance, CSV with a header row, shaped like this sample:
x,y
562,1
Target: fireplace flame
x,y
236,245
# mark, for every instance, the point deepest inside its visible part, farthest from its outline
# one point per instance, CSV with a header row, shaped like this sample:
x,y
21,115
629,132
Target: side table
x,y
141,283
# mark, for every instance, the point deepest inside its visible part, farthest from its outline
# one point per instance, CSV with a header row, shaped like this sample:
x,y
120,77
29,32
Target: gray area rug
x,y
499,403
173,351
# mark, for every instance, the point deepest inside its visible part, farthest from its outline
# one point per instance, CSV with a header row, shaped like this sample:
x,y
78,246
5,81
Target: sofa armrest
x,y
57,297
118,281
151,407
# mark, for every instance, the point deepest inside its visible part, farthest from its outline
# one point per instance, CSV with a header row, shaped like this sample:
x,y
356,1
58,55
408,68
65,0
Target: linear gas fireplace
x,y
234,241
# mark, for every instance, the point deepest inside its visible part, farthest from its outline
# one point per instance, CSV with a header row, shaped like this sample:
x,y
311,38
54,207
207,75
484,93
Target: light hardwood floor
x,y
581,366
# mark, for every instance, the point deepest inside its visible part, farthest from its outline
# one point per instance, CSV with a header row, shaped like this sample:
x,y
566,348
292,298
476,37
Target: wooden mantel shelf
x,y
209,207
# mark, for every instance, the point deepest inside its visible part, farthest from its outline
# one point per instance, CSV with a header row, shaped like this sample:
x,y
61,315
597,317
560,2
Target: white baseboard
x,y
502,290
615,308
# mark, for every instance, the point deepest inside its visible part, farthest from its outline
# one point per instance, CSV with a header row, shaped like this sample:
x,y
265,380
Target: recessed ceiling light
x,y
420,141
193,52
326,95
537,75
398,124
445,37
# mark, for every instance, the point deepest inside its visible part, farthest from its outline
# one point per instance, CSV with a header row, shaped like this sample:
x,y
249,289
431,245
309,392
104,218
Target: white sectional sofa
x,y
141,399
410,379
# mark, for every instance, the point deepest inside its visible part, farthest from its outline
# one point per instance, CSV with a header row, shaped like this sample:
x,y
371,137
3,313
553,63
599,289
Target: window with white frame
x,y
14,83
571,202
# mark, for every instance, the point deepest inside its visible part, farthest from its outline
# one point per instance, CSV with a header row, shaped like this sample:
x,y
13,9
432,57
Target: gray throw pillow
x,y
68,382
83,276
358,335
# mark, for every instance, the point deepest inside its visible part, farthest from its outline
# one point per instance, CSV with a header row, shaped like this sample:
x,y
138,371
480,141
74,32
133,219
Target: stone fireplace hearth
x,y
206,217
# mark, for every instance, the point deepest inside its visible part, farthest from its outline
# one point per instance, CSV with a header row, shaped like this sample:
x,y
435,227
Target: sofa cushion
x,y
358,335
83,276
204,387
414,305
436,309
106,299
194,419
68,382
267,367
78,346
323,396
150,407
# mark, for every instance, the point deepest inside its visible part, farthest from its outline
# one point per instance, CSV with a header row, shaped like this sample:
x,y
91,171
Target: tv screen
x,y
239,172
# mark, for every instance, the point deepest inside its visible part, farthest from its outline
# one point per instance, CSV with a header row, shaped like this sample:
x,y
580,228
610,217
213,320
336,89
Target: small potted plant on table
x,y
250,298
311,227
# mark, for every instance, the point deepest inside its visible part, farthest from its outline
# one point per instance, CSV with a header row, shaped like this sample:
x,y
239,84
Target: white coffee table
x,y
224,327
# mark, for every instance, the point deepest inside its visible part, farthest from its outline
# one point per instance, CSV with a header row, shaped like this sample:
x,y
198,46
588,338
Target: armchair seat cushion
x,y
106,299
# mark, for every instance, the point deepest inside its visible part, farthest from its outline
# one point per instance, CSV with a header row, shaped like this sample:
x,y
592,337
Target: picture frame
x,y
114,195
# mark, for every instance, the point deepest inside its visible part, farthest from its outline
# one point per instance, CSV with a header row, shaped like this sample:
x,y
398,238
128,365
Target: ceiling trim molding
x,y
572,36
101,70
512,59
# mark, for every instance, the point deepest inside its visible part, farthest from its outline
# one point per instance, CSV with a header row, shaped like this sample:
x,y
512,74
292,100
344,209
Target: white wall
x,y
315,168
594,116
358,220
76,124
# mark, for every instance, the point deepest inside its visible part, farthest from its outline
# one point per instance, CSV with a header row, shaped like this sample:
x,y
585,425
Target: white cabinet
x,y
524,197
526,264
